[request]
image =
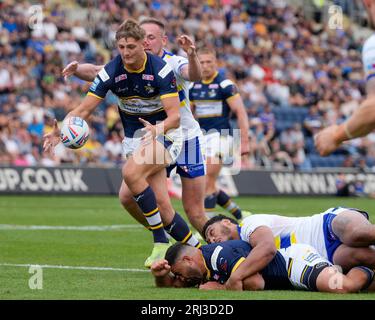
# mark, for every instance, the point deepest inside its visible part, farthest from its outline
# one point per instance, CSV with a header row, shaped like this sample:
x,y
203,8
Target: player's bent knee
x,y
125,198
131,177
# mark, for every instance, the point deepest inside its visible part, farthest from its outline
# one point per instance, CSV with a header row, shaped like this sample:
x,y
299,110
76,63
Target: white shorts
x,y
219,146
303,263
172,141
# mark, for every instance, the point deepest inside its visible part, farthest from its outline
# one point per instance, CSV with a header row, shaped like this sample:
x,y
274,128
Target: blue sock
x,y
225,201
180,231
210,202
147,202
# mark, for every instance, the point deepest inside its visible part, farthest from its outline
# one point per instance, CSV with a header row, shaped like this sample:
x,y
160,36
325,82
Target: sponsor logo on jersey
x,y
213,86
212,93
148,77
149,89
103,75
173,83
94,84
165,71
121,77
197,86
226,83
223,264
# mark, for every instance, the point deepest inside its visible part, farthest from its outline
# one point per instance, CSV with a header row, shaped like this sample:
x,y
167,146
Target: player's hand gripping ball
x,y
74,132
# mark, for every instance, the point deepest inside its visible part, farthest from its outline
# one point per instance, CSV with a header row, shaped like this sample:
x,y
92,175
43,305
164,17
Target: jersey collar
x,y
211,79
239,230
165,52
208,276
141,69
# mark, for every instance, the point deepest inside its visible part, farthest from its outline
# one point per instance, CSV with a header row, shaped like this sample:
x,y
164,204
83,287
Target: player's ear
x,y
186,258
226,222
164,41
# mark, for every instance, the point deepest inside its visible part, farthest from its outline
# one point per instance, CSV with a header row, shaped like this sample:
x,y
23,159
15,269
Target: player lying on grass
x,y
296,267
343,236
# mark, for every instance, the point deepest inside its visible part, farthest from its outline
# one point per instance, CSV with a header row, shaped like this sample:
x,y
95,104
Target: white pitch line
x,y
47,266
74,228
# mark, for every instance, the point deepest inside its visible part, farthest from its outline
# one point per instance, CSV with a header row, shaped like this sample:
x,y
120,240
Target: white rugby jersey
x,y
368,57
189,125
289,230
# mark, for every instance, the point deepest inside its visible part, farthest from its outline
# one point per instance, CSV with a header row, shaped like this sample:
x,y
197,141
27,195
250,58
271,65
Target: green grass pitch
x,y
124,248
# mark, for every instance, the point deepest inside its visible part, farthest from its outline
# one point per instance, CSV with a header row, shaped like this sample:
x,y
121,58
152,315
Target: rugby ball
x,y
74,132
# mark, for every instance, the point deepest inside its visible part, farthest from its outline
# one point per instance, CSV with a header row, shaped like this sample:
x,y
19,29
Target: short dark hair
x,y
150,20
215,219
174,252
130,29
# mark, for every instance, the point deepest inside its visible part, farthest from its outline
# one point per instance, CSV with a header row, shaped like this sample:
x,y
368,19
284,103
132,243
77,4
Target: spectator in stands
x,y
282,60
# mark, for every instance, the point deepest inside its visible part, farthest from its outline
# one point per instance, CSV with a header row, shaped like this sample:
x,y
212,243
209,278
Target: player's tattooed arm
x,y
85,71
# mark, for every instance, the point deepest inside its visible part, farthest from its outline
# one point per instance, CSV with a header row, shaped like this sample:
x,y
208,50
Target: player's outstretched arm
x,y
264,250
84,71
237,106
330,279
361,122
83,111
191,71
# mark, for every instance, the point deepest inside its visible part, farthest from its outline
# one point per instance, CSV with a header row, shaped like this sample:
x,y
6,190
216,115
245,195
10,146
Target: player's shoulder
x,y
159,67
111,69
223,81
258,216
175,61
369,44
168,55
113,65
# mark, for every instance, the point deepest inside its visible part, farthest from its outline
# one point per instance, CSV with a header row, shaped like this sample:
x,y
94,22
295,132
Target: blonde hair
x,y
206,51
130,29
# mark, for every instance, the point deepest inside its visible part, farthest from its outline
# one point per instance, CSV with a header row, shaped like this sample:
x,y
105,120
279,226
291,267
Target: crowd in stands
x,y
295,76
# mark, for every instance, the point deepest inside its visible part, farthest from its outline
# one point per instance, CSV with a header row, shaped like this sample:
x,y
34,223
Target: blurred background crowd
x,y
295,74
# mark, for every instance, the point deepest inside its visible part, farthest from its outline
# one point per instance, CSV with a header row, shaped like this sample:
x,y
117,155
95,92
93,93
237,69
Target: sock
x,y
147,202
180,231
370,276
224,201
210,202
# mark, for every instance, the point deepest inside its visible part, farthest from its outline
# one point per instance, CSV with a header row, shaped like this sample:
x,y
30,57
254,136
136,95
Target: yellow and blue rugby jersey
x,y
139,92
221,259
210,101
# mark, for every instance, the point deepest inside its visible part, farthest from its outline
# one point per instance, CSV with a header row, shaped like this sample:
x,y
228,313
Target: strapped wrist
x,y
342,133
